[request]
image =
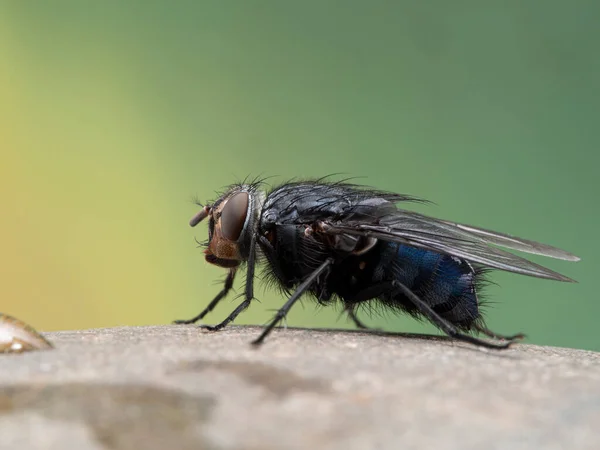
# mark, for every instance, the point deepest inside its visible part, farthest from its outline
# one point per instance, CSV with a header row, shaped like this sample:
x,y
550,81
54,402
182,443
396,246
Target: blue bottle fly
x,y
342,242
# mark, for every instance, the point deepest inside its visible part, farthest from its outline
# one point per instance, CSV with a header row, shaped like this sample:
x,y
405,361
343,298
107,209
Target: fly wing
x,y
463,241
516,243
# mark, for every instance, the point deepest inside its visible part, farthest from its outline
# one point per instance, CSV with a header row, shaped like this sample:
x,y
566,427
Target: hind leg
x,y
483,329
442,323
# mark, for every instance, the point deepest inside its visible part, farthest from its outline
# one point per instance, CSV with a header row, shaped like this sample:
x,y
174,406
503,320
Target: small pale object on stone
x,y
18,337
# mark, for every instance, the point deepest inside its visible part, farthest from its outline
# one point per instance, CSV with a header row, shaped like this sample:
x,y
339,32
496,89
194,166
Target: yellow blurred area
x,y
83,199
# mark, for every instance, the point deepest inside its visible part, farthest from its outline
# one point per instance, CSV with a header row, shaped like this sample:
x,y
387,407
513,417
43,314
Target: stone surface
x,y
180,387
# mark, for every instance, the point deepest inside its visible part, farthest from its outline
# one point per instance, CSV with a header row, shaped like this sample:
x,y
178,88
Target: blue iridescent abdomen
x,y
445,283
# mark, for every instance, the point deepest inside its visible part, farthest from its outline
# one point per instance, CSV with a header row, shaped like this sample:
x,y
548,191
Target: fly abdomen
x,y
445,283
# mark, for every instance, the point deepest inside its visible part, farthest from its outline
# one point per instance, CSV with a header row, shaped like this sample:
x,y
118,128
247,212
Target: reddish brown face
x,y
227,222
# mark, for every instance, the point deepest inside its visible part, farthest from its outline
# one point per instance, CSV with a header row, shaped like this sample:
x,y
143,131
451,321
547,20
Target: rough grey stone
x,y
181,387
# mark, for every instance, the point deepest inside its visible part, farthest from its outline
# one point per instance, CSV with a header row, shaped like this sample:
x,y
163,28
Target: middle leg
x,y
302,288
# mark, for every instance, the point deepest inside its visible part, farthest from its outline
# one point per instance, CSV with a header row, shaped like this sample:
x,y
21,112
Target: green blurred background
x,y
113,115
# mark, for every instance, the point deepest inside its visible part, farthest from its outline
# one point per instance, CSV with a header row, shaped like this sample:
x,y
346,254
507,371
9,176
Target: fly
x,y
342,242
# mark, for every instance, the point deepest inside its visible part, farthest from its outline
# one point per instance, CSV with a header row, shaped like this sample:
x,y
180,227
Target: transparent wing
x,y
474,244
515,243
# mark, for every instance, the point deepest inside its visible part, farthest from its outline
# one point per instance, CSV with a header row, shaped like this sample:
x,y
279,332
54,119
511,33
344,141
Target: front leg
x,y
248,293
221,295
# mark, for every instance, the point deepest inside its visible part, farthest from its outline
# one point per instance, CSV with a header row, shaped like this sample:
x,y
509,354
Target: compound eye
x,y
233,216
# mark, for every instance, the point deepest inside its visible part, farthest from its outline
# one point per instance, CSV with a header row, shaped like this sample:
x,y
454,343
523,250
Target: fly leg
x,y
355,319
302,288
228,285
248,294
443,324
492,334
394,287
364,295
241,307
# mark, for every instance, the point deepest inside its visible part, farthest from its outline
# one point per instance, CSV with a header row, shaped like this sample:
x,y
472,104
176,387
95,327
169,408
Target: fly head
x,y
231,222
